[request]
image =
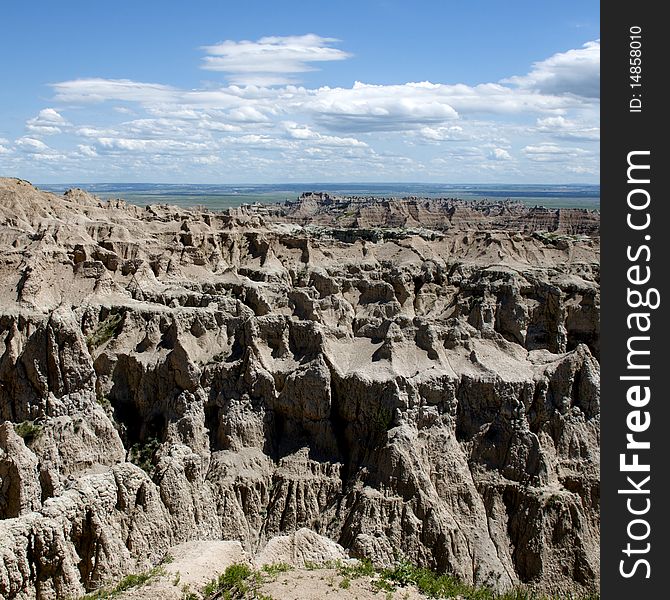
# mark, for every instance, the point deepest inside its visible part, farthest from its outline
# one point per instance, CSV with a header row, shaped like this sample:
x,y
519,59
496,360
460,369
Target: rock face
x,y
171,375
432,213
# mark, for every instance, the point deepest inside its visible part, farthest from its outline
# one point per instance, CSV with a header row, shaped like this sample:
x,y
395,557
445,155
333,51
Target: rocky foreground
x,y
412,378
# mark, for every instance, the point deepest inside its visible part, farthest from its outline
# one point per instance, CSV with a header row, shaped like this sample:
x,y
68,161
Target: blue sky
x,y
226,92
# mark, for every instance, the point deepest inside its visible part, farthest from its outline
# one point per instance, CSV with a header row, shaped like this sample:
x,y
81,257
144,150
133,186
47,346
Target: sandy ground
x,y
298,584
192,565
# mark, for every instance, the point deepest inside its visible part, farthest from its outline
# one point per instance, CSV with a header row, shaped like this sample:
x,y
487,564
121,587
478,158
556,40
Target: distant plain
x,y
221,196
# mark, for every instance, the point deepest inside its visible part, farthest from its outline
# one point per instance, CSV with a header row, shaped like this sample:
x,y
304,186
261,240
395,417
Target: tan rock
x,y
425,384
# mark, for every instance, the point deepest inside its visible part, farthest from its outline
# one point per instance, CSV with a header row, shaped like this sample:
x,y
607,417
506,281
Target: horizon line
x,y
400,183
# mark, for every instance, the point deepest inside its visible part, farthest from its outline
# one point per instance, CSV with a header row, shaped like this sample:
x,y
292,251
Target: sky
x,y
451,91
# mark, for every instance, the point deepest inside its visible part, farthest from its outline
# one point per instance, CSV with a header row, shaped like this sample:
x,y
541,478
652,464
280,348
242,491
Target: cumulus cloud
x,y
270,60
499,154
262,123
37,149
362,107
574,72
365,107
86,150
48,122
51,115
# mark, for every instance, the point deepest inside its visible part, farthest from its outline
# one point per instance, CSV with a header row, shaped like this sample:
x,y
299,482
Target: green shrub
x,y
232,584
435,585
142,454
276,568
107,329
363,568
28,431
128,582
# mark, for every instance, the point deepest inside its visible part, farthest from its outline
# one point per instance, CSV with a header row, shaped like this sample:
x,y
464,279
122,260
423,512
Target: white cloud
x,y
303,132
575,72
94,132
499,154
100,90
47,122
32,145
248,114
145,145
86,150
553,153
566,129
50,115
582,170
408,106
38,150
270,60
291,131
363,107
367,107
210,159
444,133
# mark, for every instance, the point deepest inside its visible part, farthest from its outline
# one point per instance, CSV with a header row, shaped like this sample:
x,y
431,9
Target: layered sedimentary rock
x,y
318,208
425,389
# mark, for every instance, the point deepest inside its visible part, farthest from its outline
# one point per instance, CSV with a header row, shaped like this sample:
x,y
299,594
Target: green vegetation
x,y
105,402
430,583
382,421
128,582
107,329
142,454
241,582
235,582
275,568
28,431
187,594
435,585
362,568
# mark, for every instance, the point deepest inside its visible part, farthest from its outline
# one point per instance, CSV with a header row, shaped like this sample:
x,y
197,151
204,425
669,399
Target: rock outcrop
x,y
166,375
440,214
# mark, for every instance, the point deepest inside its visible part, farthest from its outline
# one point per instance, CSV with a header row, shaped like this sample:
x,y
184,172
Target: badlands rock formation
x,y
170,375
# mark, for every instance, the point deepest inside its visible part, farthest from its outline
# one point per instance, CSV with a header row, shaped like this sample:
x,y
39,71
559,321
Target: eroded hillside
x,y
427,389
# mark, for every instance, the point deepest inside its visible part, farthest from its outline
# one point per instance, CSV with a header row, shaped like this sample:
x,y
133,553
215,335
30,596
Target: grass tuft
x,y
232,584
275,568
28,431
127,583
107,329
